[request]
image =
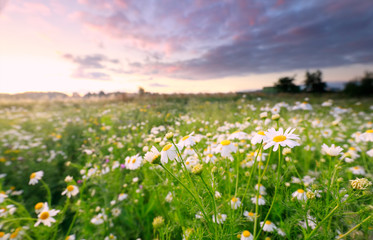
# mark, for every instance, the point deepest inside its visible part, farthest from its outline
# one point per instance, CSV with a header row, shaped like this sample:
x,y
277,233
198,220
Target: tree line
x,y
313,83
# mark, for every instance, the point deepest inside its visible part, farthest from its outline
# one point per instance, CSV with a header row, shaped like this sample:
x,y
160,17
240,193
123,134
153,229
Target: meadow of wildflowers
x,y
187,168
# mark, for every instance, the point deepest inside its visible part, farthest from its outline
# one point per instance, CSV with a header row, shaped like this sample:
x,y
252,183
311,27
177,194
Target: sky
x,y
183,46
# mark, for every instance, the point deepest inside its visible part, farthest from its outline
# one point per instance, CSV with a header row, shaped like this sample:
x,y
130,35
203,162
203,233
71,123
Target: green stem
x,y
62,215
49,195
322,221
276,189
238,172
18,219
213,199
352,229
252,172
190,192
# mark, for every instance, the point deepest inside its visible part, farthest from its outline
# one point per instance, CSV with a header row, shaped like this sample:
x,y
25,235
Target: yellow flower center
x,y
261,133
70,188
280,138
44,215
210,155
39,205
260,196
268,222
369,131
246,233
356,168
134,160
251,214
352,148
300,191
225,142
155,156
234,199
2,234
33,175
185,138
14,235
165,148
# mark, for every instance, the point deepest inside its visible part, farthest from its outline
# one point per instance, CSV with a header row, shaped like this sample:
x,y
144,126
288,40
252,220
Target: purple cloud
x,y
88,65
236,37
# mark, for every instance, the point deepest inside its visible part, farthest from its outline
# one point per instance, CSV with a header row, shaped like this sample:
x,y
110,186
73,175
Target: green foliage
x,y
93,141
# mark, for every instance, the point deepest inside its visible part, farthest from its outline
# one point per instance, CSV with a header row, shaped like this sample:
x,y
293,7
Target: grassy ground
x,y
97,142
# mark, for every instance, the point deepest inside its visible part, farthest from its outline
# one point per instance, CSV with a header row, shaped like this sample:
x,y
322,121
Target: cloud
x,y
158,85
3,3
88,66
90,61
83,74
207,39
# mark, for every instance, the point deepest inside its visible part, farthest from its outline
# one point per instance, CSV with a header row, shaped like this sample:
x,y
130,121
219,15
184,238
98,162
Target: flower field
x,y
234,167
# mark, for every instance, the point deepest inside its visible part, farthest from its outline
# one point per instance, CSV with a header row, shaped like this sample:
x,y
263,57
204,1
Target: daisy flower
x,y
280,138
168,152
238,135
110,237
187,141
217,194
39,207
209,158
98,219
268,226
249,215
281,232
70,191
258,137
4,236
8,210
220,218
300,194
35,177
169,197
115,212
133,162
360,183
122,196
235,203
311,222
152,156
370,153
226,148
46,216
261,200
262,189
367,136
332,150
358,170
70,237
246,235
2,196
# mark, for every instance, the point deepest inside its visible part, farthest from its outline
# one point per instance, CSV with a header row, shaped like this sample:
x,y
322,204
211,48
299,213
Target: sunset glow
x,y
179,46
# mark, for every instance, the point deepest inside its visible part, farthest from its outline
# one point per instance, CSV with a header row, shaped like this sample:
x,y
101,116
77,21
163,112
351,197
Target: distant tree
x,y
360,87
141,91
285,84
367,84
101,94
313,82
